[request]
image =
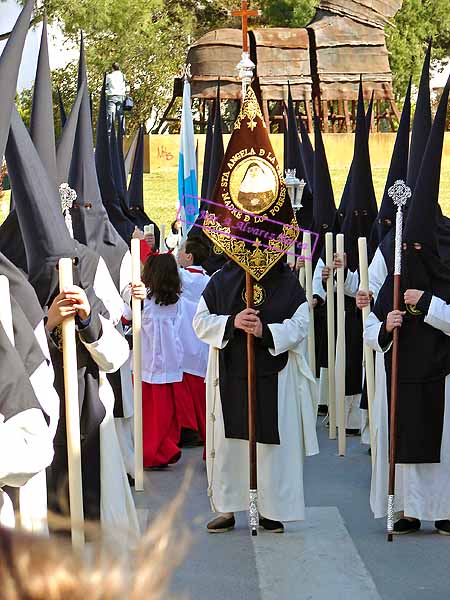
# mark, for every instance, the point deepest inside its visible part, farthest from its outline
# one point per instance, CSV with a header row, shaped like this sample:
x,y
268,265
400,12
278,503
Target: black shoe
x,y
369,451
269,525
188,438
403,526
130,480
221,525
322,410
443,527
352,432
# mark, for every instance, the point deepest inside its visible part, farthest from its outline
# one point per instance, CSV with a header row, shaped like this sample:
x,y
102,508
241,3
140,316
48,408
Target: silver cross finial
x,y
68,197
399,192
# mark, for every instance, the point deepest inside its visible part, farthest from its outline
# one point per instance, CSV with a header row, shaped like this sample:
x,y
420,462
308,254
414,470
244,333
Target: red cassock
x,y
161,427
190,404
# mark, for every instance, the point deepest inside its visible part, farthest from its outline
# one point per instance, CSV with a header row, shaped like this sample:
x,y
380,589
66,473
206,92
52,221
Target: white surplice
x,y
280,467
111,352
421,490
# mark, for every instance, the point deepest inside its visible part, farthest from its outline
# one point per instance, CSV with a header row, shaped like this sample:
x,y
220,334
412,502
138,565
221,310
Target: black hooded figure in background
x,y
423,405
99,346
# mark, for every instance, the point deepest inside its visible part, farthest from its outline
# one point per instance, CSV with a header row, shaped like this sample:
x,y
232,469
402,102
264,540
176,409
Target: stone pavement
x,y
339,553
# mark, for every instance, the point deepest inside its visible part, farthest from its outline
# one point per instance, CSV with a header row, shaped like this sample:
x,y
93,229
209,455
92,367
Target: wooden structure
x,y
322,62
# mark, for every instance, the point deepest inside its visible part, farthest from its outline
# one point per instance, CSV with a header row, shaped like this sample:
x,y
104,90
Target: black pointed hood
x,y
44,231
22,291
421,124
421,223
66,142
122,223
9,68
91,225
340,213
293,160
42,128
369,113
207,155
120,124
324,206
116,168
361,207
217,150
136,190
62,110
307,156
397,170
129,156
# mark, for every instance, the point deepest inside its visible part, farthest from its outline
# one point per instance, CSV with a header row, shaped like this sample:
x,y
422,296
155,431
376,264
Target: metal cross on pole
x,y
246,65
399,192
244,13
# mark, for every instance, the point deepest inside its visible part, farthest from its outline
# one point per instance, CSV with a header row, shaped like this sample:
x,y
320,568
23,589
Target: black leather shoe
x,y
269,525
443,527
403,526
221,525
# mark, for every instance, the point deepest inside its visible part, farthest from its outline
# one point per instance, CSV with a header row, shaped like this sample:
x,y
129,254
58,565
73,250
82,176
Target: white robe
x,y
280,467
117,303
352,410
110,352
421,490
26,449
378,272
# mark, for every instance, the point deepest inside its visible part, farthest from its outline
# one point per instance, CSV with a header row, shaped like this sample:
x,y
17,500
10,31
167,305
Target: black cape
x,y
281,297
424,363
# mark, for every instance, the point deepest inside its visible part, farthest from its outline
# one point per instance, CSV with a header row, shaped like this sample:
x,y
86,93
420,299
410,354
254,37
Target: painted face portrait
x,y
257,189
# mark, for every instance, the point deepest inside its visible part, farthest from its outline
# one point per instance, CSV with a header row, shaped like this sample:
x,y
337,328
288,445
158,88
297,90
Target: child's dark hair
x,y
161,278
199,251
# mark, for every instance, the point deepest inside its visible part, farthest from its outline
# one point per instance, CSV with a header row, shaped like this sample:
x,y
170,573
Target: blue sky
x,y
9,12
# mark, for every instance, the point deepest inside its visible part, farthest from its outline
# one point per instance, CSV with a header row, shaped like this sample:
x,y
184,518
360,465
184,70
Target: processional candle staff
x,y
399,192
72,412
137,367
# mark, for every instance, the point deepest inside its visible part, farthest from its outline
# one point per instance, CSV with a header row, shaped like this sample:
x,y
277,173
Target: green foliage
x,y
407,37
150,39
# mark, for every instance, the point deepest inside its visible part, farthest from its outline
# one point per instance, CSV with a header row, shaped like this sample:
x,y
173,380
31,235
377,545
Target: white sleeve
x,y
106,291
209,328
377,273
371,333
26,447
317,286
42,381
125,278
438,315
111,350
351,283
288,334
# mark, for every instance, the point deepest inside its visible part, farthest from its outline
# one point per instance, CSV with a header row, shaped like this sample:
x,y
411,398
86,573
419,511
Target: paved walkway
x,y
339,553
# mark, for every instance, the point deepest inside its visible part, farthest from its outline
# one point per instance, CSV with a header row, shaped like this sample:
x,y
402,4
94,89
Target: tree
x,y
413,25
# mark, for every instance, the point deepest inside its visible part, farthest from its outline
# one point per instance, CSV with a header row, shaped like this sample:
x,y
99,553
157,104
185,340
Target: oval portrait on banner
x,y
254,185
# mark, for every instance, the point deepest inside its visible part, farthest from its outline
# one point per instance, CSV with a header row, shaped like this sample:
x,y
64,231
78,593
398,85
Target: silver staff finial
x,y
68,197
186,72
399,192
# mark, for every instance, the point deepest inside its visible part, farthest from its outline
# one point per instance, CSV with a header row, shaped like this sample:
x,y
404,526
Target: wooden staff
x,y
72,413
137,369
399,192
340,347
309,297
368,353
253,514
331,338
